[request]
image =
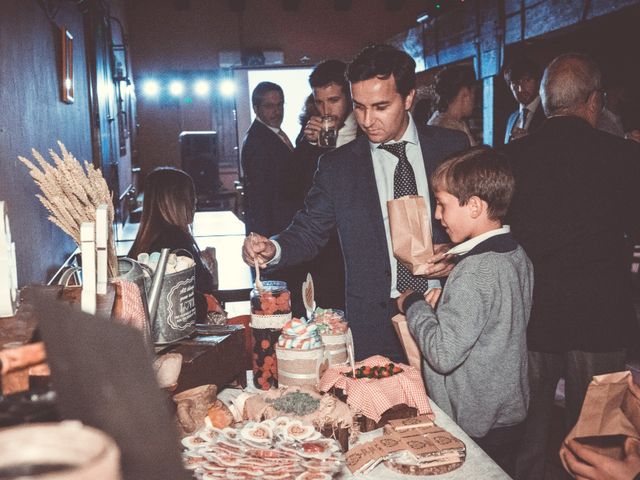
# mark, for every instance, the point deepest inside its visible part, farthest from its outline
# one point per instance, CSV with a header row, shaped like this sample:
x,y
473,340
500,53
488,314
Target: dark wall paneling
x,y
33,115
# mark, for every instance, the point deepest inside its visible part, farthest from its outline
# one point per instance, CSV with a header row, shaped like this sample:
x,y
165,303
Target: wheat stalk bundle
x,y
71,193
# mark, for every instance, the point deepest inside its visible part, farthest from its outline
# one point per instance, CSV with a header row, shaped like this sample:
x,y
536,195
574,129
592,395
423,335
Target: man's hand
x,y
441,264
585,463
312,129
518,132
633,135
257,247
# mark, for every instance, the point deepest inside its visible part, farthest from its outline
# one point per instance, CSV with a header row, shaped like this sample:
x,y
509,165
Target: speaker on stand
x,y
199,156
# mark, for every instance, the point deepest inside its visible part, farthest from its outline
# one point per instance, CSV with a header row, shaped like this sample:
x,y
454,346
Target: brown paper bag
x,y
409,345
410,225
610,413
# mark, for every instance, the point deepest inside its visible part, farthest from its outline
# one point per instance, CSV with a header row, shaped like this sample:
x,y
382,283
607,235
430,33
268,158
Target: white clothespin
x,y
88,251
102,237
8,267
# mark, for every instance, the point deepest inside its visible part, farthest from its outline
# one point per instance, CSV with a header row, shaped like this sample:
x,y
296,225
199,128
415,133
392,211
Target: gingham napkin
x,y
373,397
133,313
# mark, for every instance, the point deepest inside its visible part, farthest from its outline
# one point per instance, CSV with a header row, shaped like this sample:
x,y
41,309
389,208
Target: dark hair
x,y
520,67
328,72
309,110
478,171
262,89
450,81
382,61
169,199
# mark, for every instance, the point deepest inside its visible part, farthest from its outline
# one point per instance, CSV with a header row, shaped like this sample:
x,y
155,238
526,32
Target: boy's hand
x,y
441,264
432,297
400,300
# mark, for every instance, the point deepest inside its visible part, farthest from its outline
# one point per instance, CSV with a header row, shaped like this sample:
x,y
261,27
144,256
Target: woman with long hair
x,y
167,214
455,99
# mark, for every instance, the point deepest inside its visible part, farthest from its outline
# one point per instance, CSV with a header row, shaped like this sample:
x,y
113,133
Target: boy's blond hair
x,y
479,171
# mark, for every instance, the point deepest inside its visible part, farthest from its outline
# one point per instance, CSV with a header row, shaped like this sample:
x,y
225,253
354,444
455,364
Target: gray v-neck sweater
x,y
474,345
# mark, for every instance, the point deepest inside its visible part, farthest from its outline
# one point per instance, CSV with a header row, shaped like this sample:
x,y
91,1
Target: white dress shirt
x,y
348,130
384,166
532,107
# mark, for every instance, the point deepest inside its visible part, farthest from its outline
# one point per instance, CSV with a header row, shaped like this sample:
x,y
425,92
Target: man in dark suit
x,y
271,193
523,79
272,190
350,191
576,200
332,97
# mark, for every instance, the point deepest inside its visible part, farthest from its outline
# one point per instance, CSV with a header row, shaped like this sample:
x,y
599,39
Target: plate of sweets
x,y
276,449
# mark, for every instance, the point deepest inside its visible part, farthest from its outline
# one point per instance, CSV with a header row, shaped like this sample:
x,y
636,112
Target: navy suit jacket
x,y
272,191
536,121
345,195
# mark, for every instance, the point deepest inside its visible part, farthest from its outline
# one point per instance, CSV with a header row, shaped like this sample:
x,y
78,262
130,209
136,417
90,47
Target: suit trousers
x,y
545,369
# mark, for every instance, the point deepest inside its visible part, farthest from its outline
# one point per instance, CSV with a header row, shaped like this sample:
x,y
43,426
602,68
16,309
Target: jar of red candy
x,y
270,309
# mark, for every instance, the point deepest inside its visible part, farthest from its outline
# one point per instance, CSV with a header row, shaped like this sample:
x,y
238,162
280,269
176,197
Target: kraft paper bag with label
x,y
409,345
610,413
410,225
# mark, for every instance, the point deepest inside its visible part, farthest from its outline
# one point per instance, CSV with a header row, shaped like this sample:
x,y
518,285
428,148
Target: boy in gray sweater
x,y
474,344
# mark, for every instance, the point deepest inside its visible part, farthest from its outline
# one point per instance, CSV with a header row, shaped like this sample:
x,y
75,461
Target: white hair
x,y
567,83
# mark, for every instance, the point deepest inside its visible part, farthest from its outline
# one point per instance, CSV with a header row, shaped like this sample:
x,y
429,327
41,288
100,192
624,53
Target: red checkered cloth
x,y
373,397
133,313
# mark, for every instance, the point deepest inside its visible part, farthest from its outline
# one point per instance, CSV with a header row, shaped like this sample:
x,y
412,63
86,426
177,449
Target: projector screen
x,y
295,84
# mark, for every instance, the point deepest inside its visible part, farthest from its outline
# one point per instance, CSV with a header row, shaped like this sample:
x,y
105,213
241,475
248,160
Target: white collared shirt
x,y
348,130
384,166
532,107
466,247
277,132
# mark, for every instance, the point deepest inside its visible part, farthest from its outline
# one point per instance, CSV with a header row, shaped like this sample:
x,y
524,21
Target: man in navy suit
x,y
523,78
350,191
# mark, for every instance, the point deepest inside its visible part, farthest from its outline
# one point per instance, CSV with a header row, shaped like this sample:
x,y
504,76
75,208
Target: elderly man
x,y
272,191
523,79
350,191
576,201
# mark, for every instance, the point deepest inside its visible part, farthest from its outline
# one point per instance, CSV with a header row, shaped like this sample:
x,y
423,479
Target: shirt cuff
x,y
276,258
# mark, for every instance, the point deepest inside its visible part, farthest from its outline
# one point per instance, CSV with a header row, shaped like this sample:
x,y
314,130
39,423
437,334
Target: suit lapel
x,y
365,175
429,166
510,122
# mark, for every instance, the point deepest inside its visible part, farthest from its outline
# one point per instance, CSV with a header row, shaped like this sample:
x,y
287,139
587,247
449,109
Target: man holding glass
x,y
350,189
334,126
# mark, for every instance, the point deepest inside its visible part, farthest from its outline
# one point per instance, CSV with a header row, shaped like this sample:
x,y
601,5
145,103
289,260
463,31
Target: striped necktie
x,y
285,139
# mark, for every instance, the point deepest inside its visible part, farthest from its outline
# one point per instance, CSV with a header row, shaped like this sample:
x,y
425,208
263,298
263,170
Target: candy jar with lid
x,y
270,309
